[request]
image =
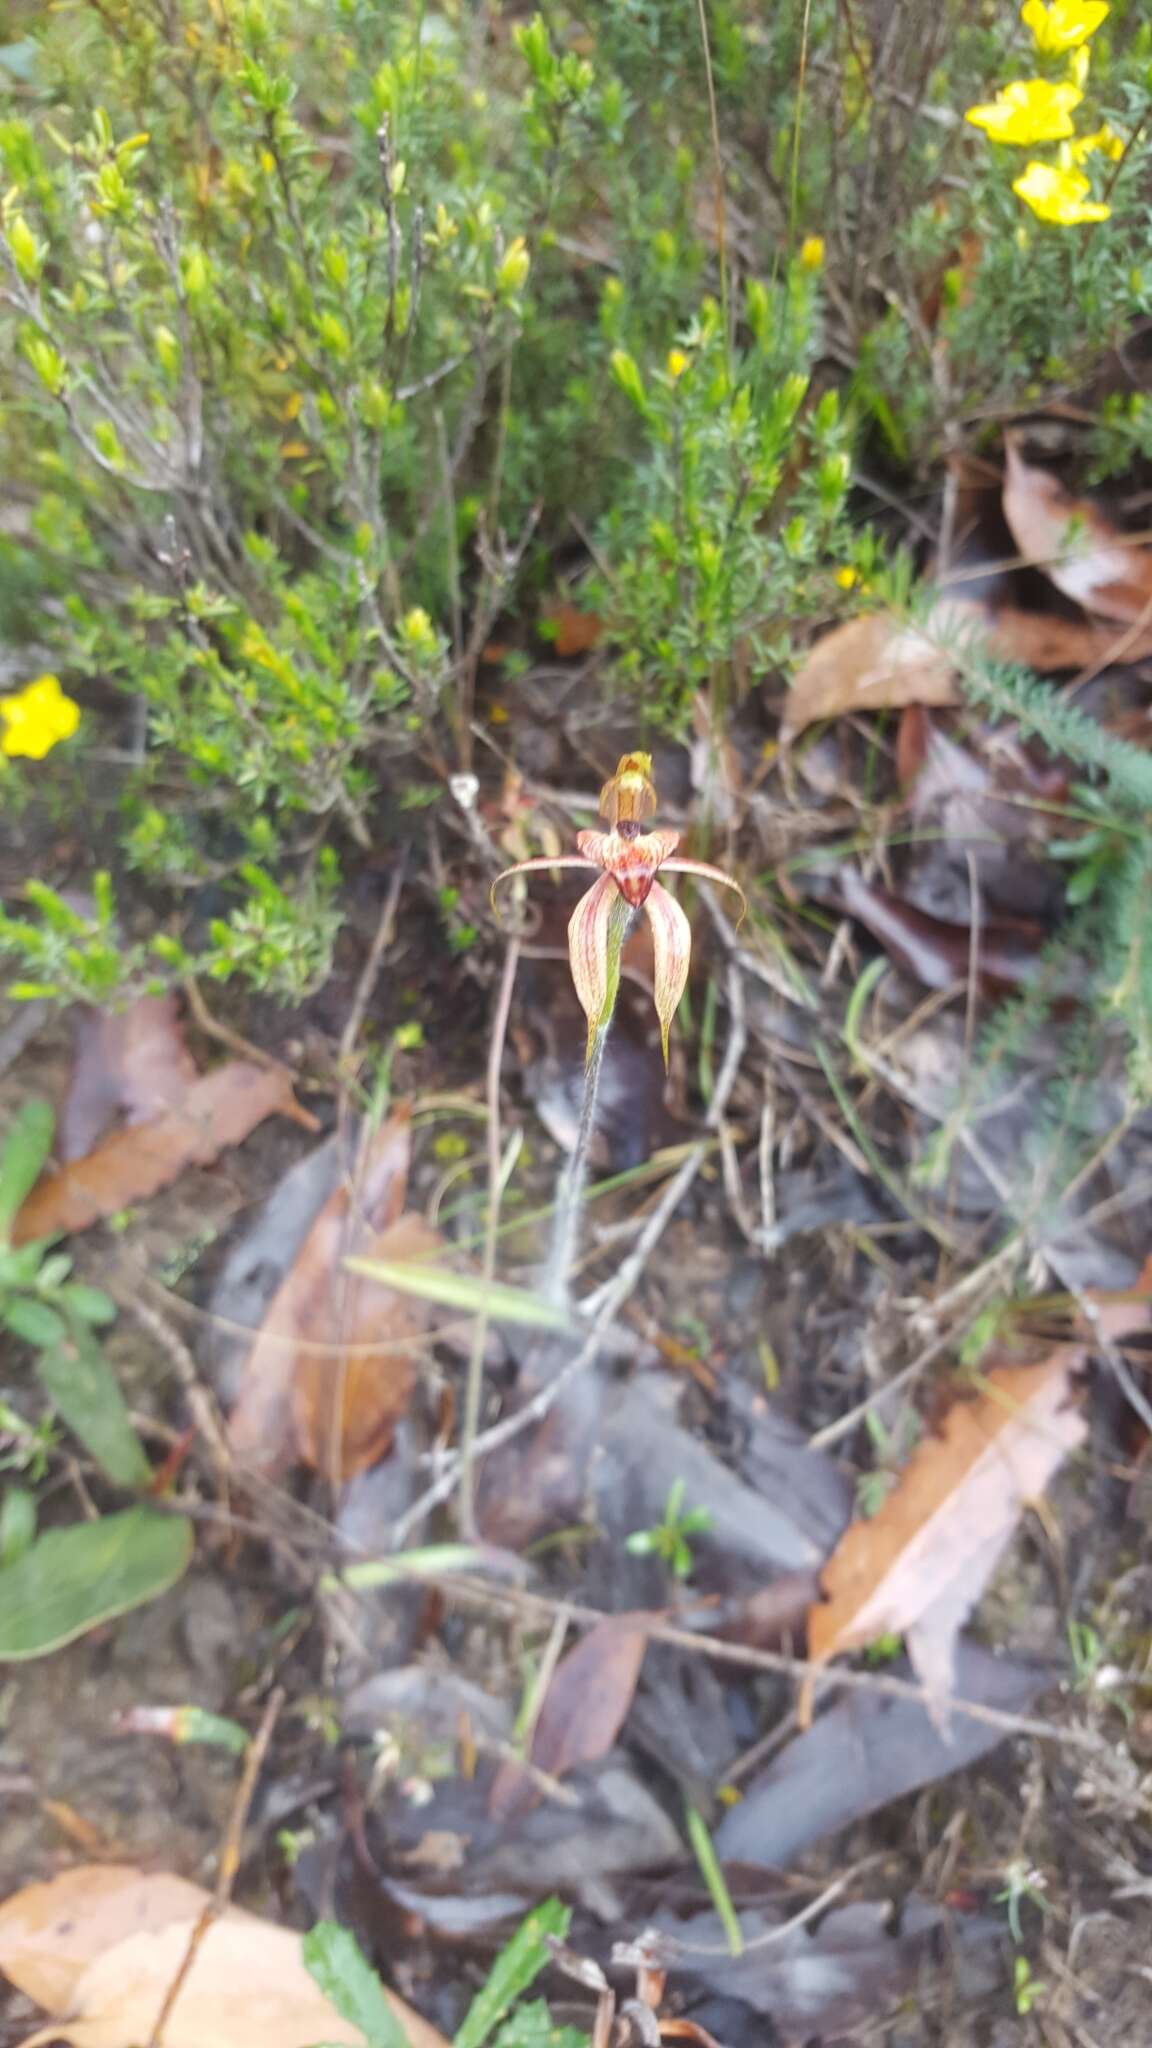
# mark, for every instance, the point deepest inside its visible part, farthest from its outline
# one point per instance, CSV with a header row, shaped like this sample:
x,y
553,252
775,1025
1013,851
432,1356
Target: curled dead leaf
x,y
879,662
918,1566
1073,541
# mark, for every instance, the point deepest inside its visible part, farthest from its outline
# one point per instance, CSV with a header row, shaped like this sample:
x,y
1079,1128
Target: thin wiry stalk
x,y
474,1383
574,1180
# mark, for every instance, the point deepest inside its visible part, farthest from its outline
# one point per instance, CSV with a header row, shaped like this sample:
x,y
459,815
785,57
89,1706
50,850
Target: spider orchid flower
x,y
627,860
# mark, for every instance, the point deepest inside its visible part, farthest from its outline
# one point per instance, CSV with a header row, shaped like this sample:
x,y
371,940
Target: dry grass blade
x,y
918,1566
219,1110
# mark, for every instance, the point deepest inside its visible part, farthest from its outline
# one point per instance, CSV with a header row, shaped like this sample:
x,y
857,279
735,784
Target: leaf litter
x,y
101,1946
331,1371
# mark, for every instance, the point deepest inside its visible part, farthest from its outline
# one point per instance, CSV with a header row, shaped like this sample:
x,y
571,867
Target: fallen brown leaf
x,y
336,1406
879,662
219,1110
940,954
917,1567
871,664
571,630
584,1708
1075,544
100,1947
133,1060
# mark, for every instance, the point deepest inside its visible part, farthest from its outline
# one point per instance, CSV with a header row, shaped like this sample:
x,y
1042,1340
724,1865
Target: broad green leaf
x,y
17,1524
464,1291
34,1322
90,1304
85,1392
22,1157
333,1957
73,1579
515,1969
534,2027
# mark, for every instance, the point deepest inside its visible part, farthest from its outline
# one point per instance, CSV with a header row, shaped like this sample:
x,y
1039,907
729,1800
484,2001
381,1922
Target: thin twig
x,y
369,973
203,1408
230,1854
834,1677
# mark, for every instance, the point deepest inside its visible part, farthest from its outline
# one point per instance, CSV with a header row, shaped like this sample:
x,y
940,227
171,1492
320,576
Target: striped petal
x,y
672,949
539,866
709,874
588,950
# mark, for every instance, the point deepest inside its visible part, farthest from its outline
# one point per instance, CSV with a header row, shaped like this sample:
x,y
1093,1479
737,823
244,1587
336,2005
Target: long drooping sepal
x,y
707,873
595,973
539,865
672,949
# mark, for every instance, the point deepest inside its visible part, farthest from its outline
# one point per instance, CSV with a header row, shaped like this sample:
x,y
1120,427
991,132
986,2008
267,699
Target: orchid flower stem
x,y
574,1181
474,1383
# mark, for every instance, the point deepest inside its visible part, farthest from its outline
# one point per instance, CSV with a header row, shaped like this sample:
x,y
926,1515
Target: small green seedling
x,y
670,1538
1026,1989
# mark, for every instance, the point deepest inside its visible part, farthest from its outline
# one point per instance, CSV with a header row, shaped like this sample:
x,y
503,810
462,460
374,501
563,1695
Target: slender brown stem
x,y
475,1380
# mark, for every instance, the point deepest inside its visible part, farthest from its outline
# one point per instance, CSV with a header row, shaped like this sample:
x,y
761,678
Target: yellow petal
x,y
1028,110
36,717
1062,25
1058,196
672,951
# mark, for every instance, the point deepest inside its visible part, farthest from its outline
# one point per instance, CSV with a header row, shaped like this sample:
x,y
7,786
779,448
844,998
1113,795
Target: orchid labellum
x,y
627,860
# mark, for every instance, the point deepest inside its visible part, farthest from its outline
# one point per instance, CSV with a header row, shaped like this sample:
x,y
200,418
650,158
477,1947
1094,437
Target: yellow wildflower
x,y
36,718
812,252
1058,195
677,362
846,577
1104,139
1029,110
1062,25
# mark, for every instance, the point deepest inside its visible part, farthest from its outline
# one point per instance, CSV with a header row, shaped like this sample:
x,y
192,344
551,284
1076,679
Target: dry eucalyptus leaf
x,y
133,1060
584,1708
878,662
872,664
333,1364
247,1987
51,1933
1075,544
918,1566
220,1109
